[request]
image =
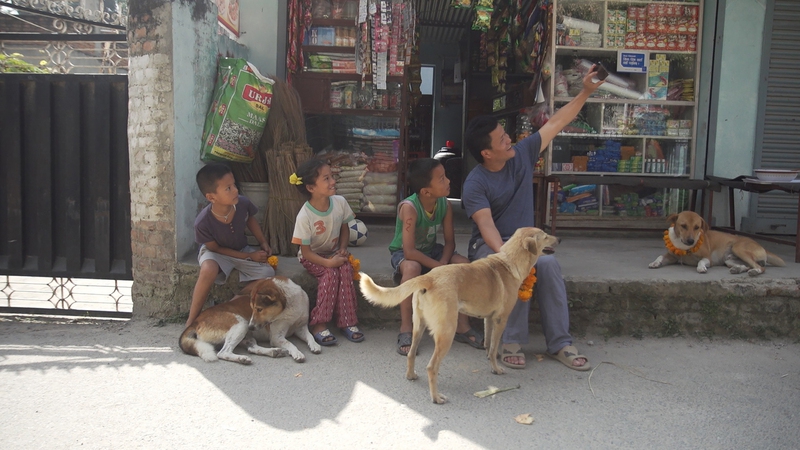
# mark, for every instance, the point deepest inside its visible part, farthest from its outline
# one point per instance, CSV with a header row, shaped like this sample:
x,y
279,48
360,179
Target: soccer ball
x,y
358,232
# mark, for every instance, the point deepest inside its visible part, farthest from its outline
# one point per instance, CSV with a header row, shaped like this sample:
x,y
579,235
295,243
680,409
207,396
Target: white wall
x,y
194,55
737,108
195,49
263,26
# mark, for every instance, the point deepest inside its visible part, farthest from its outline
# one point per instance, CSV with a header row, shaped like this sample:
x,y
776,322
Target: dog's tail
x,y
188,340
388,297
775,260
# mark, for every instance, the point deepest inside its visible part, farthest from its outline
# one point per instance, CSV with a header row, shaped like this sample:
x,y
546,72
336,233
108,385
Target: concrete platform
x,y
613,292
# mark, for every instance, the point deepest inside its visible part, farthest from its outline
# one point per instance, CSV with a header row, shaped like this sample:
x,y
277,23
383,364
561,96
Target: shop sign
x,y
632,61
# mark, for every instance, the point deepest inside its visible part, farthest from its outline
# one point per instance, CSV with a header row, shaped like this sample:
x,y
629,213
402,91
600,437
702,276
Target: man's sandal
x,y
403,340
512,350
569,354
475,341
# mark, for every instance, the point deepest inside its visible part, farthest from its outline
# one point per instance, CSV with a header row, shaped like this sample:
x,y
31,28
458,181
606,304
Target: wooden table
x,y
759,187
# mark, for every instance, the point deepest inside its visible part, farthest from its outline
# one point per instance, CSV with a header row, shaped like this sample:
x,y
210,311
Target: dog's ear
x,y
704,224
253,294
671,219
532,244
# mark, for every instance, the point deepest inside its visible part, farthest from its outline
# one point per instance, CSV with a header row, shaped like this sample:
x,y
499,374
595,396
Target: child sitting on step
x,y
219,229
414,248
321,232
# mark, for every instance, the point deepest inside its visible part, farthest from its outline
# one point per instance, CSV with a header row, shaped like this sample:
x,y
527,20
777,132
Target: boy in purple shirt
x,y
219,229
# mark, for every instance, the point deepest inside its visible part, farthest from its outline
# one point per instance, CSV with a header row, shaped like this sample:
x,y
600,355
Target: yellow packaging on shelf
x,y
658,78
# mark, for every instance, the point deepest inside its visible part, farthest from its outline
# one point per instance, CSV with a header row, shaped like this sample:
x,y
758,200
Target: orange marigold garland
x,y
356,267
525,291
273,261
675,250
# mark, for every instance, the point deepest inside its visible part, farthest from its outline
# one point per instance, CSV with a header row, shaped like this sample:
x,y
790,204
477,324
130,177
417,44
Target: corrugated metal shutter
x,y
776,212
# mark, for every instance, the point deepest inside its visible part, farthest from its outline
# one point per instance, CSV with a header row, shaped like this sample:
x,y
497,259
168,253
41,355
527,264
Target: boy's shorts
x,y
398,257
248,270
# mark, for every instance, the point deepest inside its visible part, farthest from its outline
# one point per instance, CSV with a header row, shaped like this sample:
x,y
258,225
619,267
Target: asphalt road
x,y
127,385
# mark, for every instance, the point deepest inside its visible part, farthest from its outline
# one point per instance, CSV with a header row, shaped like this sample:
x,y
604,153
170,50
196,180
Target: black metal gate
x,y
65,203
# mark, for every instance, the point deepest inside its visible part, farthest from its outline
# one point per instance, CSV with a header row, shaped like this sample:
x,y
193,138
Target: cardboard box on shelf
x,y
320,36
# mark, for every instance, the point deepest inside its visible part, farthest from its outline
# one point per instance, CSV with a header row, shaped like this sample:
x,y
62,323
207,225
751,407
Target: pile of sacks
x,y
350,183
364,188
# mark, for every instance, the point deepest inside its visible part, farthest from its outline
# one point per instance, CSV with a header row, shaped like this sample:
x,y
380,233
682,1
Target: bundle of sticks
x,y
285,200
254,172
283,147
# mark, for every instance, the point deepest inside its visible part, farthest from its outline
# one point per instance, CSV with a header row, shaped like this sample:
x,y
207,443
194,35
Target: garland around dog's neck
x,y
675,250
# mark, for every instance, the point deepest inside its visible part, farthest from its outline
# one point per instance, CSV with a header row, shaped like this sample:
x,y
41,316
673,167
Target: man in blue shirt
x,y
498,197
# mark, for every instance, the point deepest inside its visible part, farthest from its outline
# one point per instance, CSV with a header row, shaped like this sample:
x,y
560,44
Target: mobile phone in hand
x,y
602,73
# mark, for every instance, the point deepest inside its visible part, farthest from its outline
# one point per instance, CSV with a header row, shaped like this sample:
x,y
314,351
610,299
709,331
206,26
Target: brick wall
x,y
150,140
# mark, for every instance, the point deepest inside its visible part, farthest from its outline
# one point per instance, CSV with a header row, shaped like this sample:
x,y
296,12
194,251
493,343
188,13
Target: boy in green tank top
x,y
414,248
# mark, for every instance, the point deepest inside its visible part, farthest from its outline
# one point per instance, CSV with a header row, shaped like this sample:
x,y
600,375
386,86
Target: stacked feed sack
x,y
380,192
350,183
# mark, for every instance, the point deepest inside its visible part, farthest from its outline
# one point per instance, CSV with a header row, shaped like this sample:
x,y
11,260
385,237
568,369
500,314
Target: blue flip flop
x,y
350,331
325,338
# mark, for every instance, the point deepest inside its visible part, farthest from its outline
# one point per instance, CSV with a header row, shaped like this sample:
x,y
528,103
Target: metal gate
x,y
778,132
65,208
64,180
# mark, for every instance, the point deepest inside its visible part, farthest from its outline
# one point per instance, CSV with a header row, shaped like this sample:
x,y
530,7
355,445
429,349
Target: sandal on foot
x,y
569,354
325,338
471,333
353,334
403,340
510,351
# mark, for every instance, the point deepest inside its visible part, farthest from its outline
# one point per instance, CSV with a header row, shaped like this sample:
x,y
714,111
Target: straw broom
x,y
284,147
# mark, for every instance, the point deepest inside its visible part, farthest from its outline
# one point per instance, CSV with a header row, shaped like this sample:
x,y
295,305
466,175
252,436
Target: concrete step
x,y
611,290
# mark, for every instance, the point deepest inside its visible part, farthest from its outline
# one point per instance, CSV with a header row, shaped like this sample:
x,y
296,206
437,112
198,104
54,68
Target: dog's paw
x,y
241,359
299,357
702,269
737,269
755,272
411,376
657,263
439,399
315,348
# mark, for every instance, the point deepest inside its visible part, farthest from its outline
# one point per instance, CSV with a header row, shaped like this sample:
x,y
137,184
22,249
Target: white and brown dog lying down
x,y
269,309
486,288
690,242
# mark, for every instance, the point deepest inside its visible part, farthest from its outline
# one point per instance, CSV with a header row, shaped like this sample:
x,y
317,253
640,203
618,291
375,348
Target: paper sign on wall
x,y
228,15
631,61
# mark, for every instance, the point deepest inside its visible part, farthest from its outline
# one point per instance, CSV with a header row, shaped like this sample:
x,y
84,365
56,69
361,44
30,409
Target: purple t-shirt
x,y
231,235
507,192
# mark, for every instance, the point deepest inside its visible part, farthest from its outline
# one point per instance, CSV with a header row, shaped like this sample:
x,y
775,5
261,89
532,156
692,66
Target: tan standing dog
x,y
692,243
486,288
273,308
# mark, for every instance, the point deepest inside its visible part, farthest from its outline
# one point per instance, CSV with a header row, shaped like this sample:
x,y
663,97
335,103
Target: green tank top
x,y
426,229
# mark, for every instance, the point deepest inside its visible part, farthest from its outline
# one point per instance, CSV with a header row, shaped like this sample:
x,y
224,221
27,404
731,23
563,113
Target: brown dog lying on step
x,y
485,288
272,308
690,242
